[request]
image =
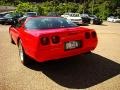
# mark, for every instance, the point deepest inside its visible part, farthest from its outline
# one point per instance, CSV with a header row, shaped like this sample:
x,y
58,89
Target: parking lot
x,y
99,70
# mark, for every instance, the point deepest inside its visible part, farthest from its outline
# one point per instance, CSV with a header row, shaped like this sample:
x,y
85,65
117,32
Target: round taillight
x,y
87,35
55,39
93,34
45,41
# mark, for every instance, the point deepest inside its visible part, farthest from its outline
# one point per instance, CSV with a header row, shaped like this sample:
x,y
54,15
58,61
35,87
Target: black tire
x,y
87,53
11,40
25,60
3,23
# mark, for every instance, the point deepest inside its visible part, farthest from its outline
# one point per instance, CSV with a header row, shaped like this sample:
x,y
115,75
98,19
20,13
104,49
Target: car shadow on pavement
x,y
79,72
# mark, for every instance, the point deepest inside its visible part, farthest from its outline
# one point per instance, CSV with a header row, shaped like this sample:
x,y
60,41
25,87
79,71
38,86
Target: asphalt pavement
x,y
99,70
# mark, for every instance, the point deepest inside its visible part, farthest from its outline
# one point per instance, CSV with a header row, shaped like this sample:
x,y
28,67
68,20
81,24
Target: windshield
x,y
115,17
48,23
93,16
84,15
31,14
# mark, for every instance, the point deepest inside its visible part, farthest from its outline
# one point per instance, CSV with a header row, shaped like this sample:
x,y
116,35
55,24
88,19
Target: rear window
x,y
48,23
74,15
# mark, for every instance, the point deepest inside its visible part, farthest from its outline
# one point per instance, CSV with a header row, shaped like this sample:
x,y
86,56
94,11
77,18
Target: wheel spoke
x,y
21,53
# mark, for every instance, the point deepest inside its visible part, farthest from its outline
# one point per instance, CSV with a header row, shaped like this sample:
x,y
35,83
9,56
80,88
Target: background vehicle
x,y
85,18
9,18
95,20
74,17
2,16
113,19
50,38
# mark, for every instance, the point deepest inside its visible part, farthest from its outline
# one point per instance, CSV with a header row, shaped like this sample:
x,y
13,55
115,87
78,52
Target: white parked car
x,y
113,19
74,17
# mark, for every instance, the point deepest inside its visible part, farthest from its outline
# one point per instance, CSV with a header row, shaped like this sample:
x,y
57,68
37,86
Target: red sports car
x,y
50,38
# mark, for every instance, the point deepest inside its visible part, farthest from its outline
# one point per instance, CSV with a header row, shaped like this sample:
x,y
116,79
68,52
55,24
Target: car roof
x,y
28,18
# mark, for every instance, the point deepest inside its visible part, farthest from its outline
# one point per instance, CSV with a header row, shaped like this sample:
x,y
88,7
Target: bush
x,y
28,7
101,8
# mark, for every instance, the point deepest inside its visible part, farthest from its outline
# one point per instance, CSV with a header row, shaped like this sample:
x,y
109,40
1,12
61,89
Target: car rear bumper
x,y
57,53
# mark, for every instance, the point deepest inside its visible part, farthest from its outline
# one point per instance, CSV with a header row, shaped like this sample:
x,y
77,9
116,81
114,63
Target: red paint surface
x,y
33,47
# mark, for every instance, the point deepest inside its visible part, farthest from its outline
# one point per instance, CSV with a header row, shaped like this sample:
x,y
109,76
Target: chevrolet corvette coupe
x,y
50,38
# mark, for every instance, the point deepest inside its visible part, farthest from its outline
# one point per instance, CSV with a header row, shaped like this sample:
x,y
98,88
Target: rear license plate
x,y
72,45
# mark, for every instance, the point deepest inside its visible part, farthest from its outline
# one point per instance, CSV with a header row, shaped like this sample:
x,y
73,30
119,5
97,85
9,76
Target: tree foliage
x,y
101,8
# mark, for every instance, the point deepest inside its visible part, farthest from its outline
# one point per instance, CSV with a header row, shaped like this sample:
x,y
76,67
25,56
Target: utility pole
x,y
84,7
92,7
